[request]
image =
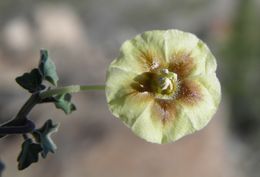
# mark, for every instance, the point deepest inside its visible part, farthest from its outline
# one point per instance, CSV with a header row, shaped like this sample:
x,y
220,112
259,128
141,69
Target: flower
x,y
163,85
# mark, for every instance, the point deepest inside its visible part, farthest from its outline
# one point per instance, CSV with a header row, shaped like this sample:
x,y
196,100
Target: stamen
x,y
154,65
165,71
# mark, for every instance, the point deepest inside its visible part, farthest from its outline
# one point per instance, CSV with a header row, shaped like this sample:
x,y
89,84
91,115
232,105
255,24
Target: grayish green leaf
x,y
48,68
43,136
64,102
31,81
29,154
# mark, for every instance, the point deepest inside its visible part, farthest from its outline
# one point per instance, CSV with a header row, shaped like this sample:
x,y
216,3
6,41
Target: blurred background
x,y
83,37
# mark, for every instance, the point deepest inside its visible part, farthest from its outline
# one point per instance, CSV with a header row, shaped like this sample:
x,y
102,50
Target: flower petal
x,y
163,122
148,128
212,84
194,109
178,41
200,102
181,126
187,55
143,53
123,100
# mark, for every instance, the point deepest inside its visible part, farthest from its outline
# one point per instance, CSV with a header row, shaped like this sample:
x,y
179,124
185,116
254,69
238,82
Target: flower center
x,y
166,83
163,84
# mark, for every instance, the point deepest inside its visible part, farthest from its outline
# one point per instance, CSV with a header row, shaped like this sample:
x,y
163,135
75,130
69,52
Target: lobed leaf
x,y
64,102
31,81
48,68
43,136
29,154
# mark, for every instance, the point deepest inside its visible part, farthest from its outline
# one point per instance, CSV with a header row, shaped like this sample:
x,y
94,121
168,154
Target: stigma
x,y
167,83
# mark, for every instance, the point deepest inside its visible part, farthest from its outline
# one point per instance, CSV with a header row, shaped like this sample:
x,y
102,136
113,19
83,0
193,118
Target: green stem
x,y
20,124
70,89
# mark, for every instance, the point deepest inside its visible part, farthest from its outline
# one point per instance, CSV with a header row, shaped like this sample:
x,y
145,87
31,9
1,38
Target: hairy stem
x,y
70,89
27,107
20,124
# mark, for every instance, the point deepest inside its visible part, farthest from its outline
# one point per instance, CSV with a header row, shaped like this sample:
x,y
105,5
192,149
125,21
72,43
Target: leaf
x,y
31,81
29,154
43,136
48,68
64,102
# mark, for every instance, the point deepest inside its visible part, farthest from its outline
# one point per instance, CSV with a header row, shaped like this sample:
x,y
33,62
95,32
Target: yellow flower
x,y
163,85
